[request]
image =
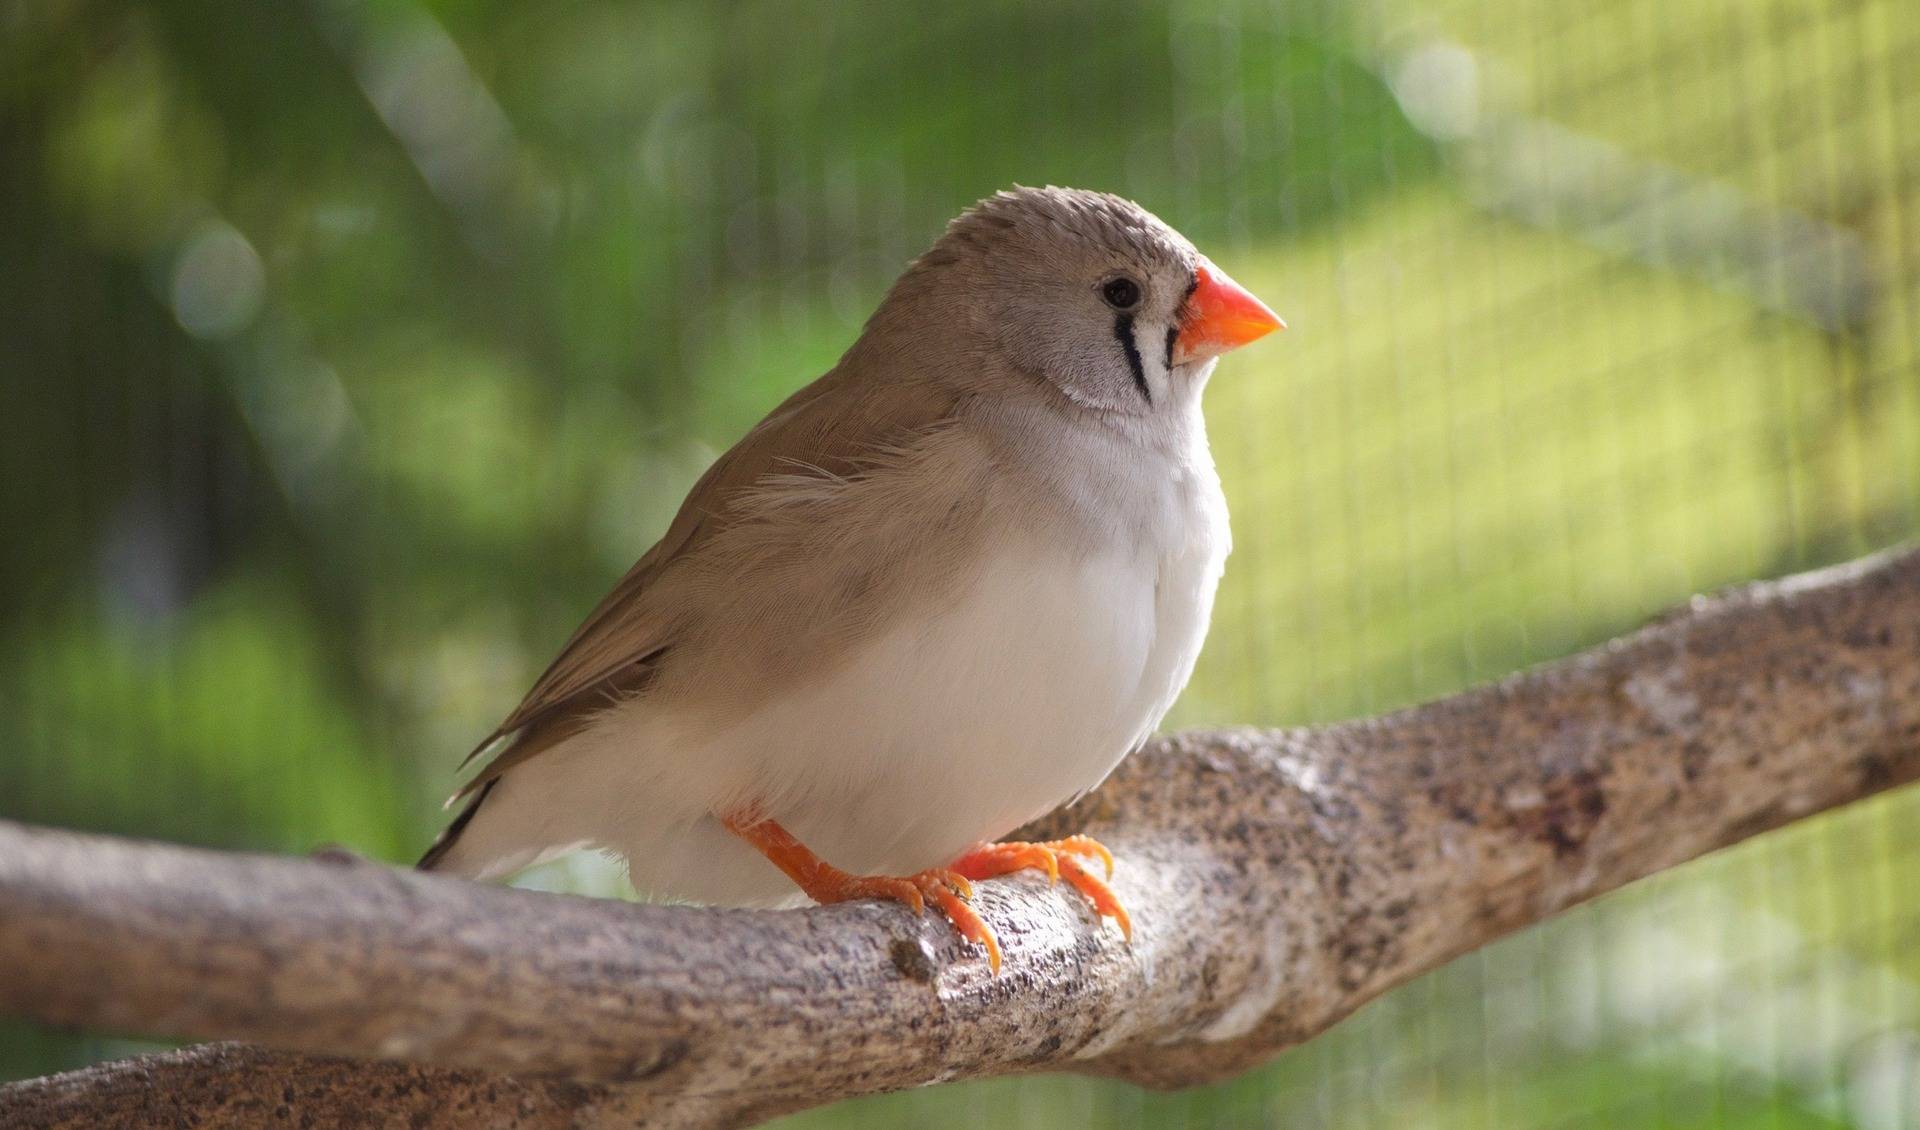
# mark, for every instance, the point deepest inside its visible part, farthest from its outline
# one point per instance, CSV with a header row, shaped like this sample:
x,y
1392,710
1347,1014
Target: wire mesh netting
x,y
352,349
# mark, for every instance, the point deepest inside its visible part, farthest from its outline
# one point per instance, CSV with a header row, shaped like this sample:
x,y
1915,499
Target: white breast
x,y
1020,697
950,728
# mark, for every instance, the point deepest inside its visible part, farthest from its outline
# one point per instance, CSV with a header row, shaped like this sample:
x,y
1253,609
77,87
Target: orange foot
x,y
1059,859
946,888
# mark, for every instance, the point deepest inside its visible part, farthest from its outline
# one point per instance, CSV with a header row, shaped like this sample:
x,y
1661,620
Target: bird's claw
x,y
947,888
1060,859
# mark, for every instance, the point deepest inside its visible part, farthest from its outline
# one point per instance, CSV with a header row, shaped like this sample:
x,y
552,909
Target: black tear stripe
x,y
1123,329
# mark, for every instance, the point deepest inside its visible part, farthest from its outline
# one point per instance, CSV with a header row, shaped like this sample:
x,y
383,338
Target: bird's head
x,y
1088,292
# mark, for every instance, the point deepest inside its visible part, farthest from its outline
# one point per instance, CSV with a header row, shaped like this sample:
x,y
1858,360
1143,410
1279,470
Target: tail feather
x,y
445,841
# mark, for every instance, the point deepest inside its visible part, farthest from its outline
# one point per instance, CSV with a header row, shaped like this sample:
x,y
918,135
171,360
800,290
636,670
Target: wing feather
x,y
824,431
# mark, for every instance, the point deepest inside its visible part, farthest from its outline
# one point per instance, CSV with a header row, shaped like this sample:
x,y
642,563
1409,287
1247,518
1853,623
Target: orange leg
x,y
824,883
1060,859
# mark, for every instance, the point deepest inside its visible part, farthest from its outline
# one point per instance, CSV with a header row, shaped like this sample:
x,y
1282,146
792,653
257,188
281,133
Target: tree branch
x,y
235,1086
1278,880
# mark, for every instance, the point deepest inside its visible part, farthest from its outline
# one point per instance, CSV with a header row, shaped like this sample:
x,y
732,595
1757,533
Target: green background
x,y
351,349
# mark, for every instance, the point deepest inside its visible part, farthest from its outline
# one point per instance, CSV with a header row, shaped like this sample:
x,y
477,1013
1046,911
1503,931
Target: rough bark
x,y
1278,880
234,1086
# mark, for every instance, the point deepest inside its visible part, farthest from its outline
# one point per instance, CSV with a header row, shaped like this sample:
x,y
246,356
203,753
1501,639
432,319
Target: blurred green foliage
x,y
350,349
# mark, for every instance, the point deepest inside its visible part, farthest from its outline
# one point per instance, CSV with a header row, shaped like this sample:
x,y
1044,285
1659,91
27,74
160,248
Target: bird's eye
x,y
1121,293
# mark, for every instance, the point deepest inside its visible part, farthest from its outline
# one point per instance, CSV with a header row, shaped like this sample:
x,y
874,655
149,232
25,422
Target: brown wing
x,y
828,426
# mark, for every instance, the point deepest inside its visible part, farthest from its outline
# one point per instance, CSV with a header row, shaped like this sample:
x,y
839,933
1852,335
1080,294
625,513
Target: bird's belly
x,y
961,726
947,729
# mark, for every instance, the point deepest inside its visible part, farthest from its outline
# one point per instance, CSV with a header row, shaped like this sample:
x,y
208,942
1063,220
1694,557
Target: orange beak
x,y
1220,315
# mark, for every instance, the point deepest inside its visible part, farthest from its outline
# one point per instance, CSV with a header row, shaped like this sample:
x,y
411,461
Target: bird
x,y
937,593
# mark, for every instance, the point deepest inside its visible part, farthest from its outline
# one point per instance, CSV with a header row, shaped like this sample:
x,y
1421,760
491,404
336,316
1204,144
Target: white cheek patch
x,y
1150,345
